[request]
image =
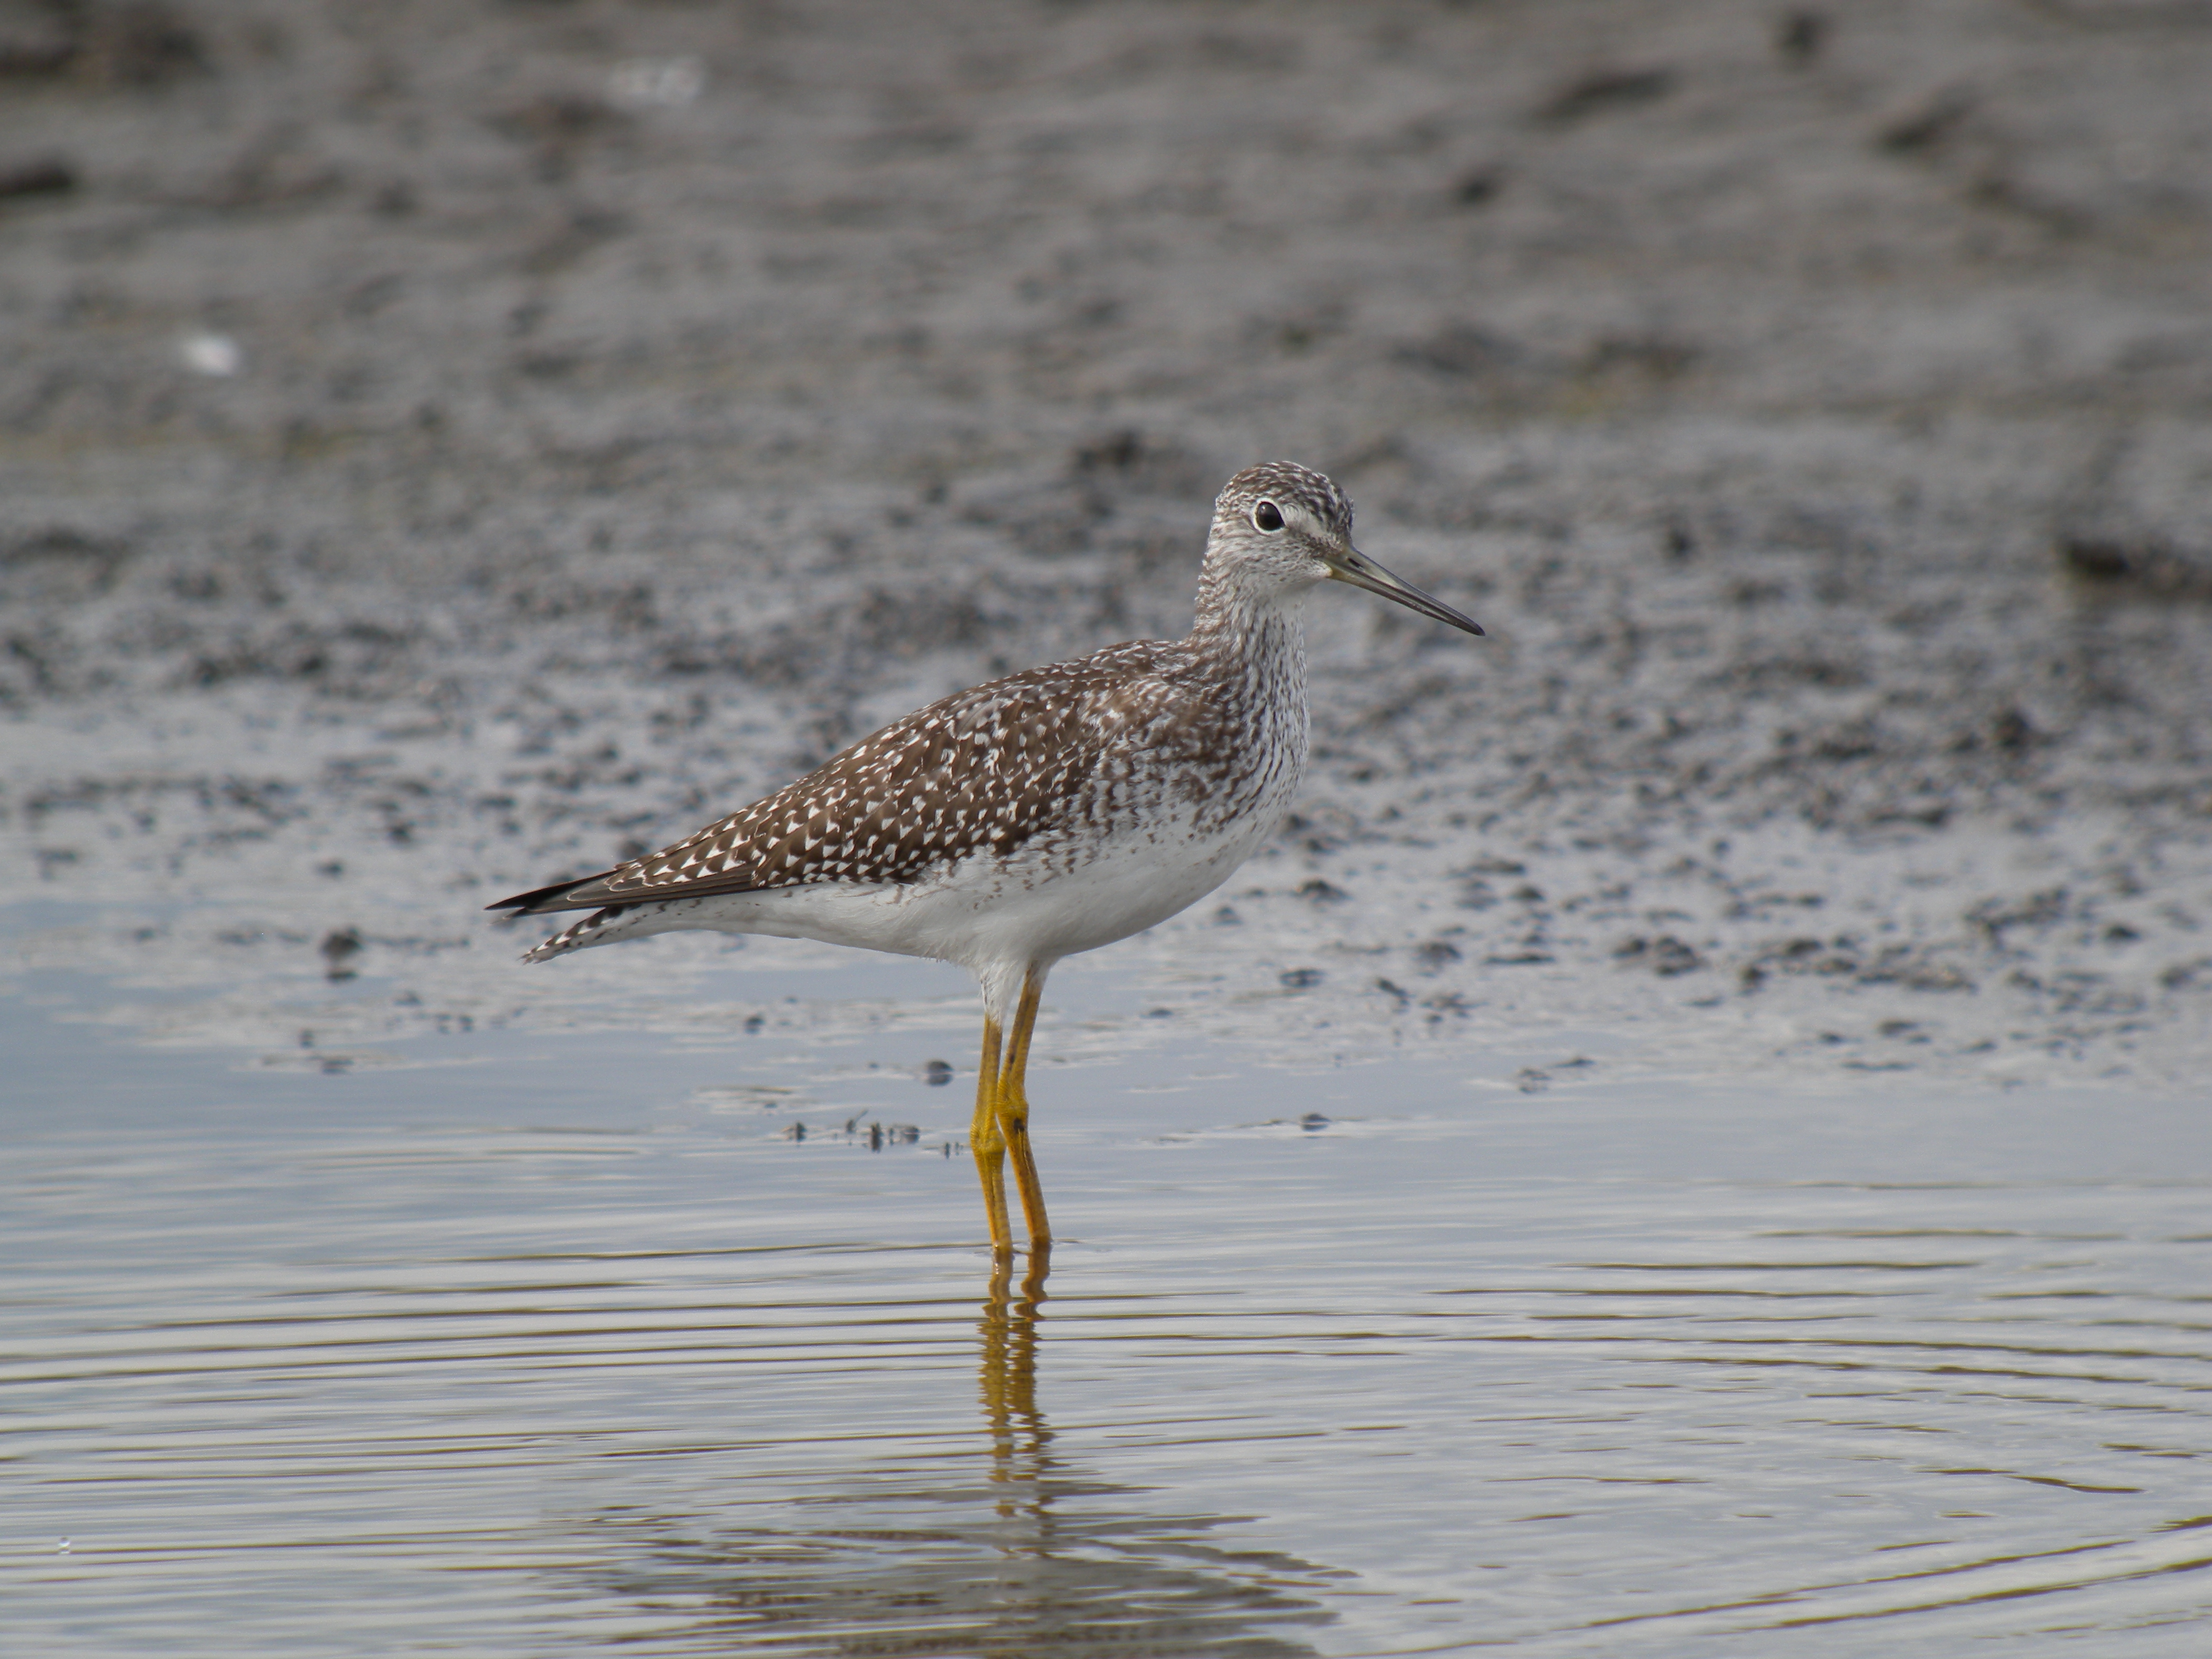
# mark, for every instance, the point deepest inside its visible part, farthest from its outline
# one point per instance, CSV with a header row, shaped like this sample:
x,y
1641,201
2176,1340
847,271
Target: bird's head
x,y
1282,527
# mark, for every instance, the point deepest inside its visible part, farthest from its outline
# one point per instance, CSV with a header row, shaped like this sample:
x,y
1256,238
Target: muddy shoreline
x,y
449,448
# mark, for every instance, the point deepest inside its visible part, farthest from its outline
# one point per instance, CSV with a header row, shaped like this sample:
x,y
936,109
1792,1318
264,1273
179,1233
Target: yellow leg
x,y
1014,1112
989,1142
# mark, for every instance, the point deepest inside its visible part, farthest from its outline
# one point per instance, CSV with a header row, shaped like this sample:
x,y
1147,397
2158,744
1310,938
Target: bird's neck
x,y
1258,646
1249,659
1232,618
1244,614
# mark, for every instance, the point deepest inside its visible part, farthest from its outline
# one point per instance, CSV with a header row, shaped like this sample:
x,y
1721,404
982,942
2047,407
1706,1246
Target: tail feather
x,y
593,929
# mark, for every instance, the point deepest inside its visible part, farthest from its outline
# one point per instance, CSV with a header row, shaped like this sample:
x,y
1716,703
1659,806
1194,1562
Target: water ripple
x,y
295,1370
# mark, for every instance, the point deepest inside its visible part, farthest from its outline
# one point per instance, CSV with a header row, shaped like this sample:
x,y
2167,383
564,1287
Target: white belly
x,y
1035,909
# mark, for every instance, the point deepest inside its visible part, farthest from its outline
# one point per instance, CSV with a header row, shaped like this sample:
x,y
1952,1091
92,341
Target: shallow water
x,y
510,1342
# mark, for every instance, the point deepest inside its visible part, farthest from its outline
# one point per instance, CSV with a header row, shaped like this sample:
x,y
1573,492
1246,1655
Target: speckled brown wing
x,y
983,769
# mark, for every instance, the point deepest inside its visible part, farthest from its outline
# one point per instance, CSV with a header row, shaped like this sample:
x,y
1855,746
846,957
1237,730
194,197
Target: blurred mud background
x,y
444,446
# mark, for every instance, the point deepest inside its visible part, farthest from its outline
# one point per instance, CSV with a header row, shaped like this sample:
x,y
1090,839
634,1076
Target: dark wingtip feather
x,y
542,900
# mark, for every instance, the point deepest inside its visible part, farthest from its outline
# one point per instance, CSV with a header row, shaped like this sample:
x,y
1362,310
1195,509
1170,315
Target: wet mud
x,y
442,447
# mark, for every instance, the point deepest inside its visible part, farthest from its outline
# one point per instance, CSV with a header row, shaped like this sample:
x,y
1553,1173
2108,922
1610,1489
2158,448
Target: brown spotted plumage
x,y
1049,813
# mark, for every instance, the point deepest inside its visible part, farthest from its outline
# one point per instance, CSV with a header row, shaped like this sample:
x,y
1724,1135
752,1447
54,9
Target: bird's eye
x,y
1267,517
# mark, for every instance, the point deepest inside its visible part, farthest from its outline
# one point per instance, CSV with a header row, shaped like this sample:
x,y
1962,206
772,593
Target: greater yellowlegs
x,y
1052,811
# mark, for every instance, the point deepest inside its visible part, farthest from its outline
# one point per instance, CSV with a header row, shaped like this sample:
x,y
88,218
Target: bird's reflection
x,y
1021,1440
1039,1558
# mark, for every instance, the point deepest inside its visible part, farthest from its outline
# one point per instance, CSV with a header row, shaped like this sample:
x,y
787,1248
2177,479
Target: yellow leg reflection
x,y
988,1143
1020,1440
1014,1112
1013,1553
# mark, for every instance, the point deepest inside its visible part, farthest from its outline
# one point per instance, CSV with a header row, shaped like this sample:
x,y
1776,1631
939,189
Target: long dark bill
x,y
1356,568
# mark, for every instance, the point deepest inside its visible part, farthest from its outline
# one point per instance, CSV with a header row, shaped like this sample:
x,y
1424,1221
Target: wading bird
x,y
1052,811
